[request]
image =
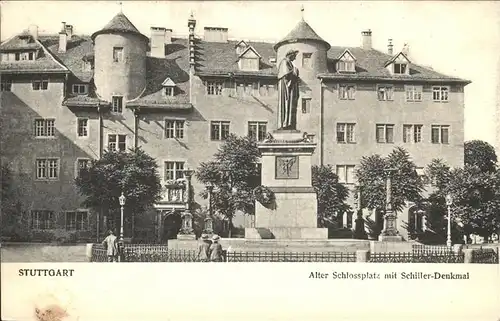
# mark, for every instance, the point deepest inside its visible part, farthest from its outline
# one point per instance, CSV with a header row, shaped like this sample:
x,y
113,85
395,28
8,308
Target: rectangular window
x,y
413,93
117,143
440,93
81,165
174,128
40,84
400,68
83,127
385,133
6,85
306,105
214,88
257,130
440,134
306,60
174,170
77,221
346,174
117,104
346,66
31,56
80,89
47,168
18,56
346,133
385,93
412,133
42,220
45,128
346,92
219,130
117,54
169,91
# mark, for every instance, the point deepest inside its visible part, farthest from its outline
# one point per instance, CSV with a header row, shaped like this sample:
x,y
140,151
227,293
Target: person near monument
x,y
203,248
110,243
288,91
215,250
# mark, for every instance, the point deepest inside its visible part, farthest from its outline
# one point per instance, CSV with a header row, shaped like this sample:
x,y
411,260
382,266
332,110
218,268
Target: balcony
x,y
173,194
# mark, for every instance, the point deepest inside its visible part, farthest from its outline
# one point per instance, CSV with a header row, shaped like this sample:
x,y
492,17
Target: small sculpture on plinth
x,y
209,225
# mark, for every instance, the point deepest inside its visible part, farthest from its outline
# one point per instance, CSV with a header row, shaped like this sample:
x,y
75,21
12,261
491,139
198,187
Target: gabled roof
x,y
168,83
45,62
395,57
120,23
302,31
251,49
241,42
16,43
348,52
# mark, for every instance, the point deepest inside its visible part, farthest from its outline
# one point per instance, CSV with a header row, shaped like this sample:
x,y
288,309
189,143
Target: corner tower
x,y
120,59
312,55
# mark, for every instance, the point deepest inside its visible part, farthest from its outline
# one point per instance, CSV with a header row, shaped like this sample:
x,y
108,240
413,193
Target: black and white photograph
x,y
130,137
293,143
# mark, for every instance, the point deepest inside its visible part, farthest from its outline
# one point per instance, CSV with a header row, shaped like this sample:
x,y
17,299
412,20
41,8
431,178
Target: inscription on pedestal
x,y
287,167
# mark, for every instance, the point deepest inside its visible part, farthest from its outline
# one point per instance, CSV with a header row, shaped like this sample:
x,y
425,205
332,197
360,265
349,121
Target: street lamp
x,y
449,202
121,200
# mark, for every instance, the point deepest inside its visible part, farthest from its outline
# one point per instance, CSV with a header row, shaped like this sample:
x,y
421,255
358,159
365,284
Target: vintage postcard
x,y
293,143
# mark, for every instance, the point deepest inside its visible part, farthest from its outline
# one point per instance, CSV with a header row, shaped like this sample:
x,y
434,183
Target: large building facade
x,y
68,98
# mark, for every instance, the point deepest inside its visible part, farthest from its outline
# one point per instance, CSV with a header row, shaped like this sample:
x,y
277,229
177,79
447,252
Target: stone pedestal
x,y
286,171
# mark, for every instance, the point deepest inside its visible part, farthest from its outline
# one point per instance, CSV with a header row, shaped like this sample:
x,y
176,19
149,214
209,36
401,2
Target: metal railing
x,y
290,257
485,256
409,257
441,249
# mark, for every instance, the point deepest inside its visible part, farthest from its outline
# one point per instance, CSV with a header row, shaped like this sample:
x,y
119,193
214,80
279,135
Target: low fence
x,y
421,257
423,249
290,257
424,254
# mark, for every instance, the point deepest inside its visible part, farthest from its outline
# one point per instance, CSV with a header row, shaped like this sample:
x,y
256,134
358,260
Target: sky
x,y
460,39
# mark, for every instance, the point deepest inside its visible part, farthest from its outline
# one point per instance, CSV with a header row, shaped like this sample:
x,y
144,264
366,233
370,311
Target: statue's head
x,y
292,54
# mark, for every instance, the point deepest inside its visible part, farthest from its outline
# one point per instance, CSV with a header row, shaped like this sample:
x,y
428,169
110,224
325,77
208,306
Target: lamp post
x,y
390,231
121,200
227,174
449,202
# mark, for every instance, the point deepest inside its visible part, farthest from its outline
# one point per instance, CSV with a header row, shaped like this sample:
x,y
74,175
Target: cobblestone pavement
x,y
42,253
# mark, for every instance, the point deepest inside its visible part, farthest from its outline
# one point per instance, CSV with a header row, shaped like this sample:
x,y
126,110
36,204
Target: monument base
x,y
390,238
186,237
308,233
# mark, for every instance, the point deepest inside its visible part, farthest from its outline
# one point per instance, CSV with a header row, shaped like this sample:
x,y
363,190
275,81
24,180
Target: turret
x,y
120,59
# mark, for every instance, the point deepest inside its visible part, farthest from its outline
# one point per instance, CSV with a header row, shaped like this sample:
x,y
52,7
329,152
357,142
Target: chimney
x,y
69,31
215,34
33,30
390,47
191,26
63,38
158,42
366,39
406,50
168,36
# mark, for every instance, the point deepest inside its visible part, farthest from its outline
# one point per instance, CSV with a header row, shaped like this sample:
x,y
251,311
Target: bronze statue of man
x,y
288,91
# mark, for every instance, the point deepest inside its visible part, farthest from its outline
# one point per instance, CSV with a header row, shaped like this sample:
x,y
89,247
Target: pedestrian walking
x,y
204,248
215,250
110,243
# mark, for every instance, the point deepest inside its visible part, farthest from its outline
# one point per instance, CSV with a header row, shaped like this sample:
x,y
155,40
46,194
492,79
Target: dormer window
x,y
80,89
168,87
23,56
399,64
240,47
86,66
346,62
249,59
400,68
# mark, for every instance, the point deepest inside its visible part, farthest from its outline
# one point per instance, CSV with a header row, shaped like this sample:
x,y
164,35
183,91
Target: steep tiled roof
x,y
45,62
302,31
370,64
120,23
222,58
176,67
78,48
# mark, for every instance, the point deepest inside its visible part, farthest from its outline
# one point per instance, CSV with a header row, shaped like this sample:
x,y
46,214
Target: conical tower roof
x,y
302,31
120,23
